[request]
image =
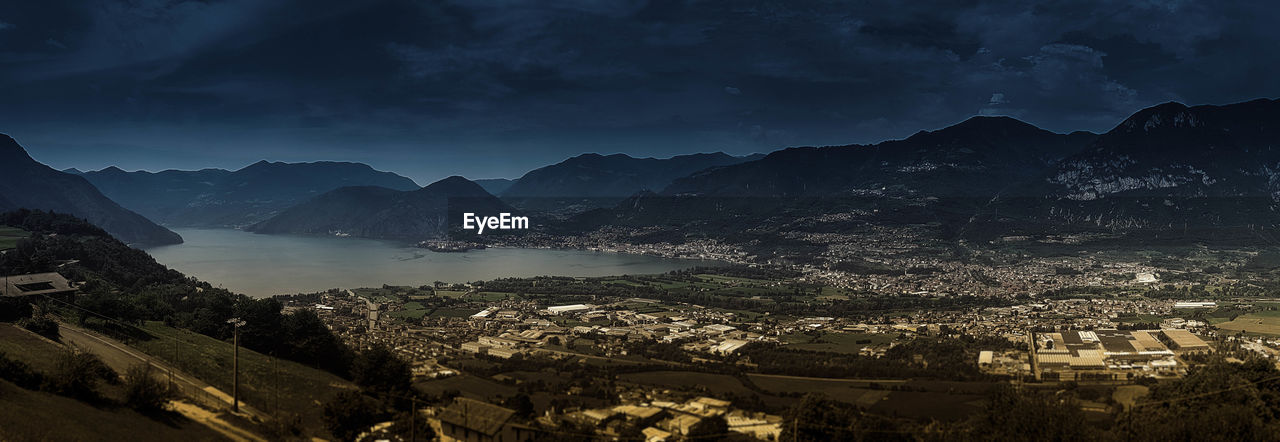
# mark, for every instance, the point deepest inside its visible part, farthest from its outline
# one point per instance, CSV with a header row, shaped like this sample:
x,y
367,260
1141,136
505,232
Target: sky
x,y
486,89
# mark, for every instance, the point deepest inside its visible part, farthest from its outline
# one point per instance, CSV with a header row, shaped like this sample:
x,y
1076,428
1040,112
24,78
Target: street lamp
x,y
236,323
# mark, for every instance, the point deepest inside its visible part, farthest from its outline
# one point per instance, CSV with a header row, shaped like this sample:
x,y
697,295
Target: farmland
x,y
1265,323
848,343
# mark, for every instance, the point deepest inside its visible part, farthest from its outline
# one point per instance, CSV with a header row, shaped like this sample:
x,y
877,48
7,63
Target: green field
x,y
9,237
1265,323
451,293
703,382
299,388
491,296
412,311
848,343
470,386
856,393
454,312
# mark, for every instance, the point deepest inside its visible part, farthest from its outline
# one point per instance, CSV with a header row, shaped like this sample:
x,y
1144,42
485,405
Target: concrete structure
x,y
37,284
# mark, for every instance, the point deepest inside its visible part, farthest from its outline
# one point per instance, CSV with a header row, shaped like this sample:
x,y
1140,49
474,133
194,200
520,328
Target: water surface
x,y
264,265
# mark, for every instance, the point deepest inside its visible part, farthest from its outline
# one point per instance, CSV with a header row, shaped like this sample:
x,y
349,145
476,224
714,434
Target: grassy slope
x,y
302,389
18,344
34,415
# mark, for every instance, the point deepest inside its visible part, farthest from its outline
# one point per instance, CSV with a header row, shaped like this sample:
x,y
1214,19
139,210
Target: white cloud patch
x,y
4,25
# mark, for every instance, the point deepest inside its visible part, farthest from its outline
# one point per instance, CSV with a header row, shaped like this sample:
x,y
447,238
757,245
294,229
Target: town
x,y
662,350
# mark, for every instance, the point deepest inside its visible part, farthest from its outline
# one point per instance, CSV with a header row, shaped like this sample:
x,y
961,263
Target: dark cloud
x,y
432,88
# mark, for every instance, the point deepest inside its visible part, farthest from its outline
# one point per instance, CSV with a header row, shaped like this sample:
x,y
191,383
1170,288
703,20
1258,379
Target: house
x,y
470,420
37,284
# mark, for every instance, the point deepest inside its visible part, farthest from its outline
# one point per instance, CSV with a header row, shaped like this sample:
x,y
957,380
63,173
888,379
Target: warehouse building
x,y
1111,354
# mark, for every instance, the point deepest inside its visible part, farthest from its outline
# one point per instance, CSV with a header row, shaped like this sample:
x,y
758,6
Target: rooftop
x,y
34,284
482,417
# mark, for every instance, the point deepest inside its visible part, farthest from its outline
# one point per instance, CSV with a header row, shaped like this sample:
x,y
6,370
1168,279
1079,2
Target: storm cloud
x,y
494,88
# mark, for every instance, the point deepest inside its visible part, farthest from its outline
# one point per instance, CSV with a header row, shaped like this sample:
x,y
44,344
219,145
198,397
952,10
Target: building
x,y
37,284
1195,304
565,309
984,358
470,420
728,346
1183,341
1103,354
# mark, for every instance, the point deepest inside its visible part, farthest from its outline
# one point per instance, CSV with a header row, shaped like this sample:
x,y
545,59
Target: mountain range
x,y
1164,169
25,183
613,176
980,156
378,212
223,198
1165,166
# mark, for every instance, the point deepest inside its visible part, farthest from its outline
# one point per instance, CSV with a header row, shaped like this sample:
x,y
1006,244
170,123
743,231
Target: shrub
x,y
77,375
42,325
142,391
19,373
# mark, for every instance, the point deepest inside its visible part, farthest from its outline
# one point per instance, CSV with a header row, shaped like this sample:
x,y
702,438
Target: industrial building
x,y
1111,354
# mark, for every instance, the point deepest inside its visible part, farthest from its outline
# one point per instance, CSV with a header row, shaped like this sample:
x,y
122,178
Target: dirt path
x,y
213,421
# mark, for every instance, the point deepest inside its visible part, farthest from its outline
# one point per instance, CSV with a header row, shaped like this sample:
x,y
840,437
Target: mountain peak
x,y
981,127
455,186
1164,115
9,148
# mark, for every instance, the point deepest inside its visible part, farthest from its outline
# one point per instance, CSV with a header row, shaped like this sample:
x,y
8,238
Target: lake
x,y
265,265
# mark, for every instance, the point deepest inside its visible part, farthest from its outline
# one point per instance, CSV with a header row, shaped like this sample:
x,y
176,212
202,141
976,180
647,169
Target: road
x,y
120,357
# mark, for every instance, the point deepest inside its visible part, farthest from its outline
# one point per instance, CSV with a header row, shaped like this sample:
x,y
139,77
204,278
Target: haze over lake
x,y
265,265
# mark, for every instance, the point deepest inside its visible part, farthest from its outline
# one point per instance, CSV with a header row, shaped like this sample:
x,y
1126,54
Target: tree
x,y
1032,416
310,342
521,404
349,414
817,418
379,370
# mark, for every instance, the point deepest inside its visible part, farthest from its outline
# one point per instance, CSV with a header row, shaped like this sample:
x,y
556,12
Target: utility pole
x,y
275,368
413,421
235,363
